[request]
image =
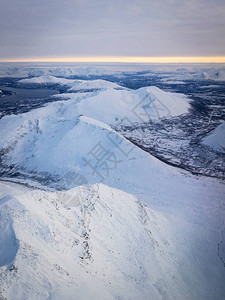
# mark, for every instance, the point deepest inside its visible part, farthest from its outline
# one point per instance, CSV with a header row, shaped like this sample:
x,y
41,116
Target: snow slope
x,y
32,143
165,103
46,79
216,139
93,84
73,85
142,105
103,248
113,103
109,220
99,242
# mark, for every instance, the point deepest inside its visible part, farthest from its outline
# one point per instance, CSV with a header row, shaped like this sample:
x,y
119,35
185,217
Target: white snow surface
x,y
112,102
216,139
101,243
58,138
115,223
73,85
128,106
46,79
93,84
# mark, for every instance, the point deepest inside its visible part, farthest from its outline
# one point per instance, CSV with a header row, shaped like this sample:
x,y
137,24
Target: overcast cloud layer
x,y
54,28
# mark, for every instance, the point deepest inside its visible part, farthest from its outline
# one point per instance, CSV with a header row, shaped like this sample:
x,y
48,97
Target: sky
x,y
76,29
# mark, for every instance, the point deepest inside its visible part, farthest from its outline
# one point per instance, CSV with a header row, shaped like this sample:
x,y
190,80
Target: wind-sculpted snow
x,y
105,247
101,243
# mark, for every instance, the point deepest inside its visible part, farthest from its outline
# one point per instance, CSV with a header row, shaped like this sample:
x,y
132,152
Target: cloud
x,y
101,27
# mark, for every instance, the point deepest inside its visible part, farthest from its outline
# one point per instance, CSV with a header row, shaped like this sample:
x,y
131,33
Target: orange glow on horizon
x,y
124,59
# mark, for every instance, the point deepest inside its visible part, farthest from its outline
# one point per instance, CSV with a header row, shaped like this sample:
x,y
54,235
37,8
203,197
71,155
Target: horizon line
x,y
126,59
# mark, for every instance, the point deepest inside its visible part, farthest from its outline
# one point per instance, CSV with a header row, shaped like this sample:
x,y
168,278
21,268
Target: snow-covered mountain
x,y
94,216
62,137
171,71
73,85
216,139
108,245
112,102
45,80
